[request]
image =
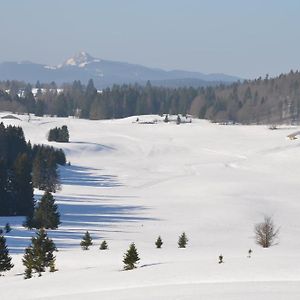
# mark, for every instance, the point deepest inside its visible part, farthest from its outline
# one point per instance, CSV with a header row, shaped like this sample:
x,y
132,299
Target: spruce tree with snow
x,y
86,241
182,241
5,259
103,246
158,242
131,258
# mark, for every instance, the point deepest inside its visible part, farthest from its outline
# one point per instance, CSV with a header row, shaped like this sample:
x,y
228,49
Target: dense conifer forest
x,y
259,101
23,167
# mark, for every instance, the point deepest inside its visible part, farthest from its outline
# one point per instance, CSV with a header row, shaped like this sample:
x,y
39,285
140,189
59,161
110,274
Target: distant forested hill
x,y
267,100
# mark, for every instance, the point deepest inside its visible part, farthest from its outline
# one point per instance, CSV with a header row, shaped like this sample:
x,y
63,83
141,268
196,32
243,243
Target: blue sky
x,y
238,37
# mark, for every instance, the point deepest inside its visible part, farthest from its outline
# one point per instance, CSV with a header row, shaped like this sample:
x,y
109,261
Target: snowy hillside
x,y
131,182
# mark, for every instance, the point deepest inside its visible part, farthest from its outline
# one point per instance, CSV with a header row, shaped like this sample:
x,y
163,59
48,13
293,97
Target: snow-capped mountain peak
x,y
80,59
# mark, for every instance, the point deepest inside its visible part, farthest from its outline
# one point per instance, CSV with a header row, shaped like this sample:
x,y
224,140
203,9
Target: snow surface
x,y
131,182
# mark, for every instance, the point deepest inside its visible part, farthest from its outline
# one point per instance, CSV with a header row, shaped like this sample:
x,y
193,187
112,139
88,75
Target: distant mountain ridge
x,y
105,73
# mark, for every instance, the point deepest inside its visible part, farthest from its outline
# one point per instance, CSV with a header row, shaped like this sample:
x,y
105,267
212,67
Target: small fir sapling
x,y
221,259
158,242
131,258
182,241
86,241
103,246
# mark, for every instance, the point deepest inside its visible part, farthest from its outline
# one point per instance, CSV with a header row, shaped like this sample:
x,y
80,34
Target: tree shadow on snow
x,y
96,213
82,176
77,216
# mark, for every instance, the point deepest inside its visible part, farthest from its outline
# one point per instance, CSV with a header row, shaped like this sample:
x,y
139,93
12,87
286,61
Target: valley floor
x,y
131,182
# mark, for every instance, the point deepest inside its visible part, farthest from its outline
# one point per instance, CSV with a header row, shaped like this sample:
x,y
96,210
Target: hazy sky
x,y
238,37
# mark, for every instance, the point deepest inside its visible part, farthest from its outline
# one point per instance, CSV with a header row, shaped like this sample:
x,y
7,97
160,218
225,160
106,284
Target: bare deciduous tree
x,y
266,233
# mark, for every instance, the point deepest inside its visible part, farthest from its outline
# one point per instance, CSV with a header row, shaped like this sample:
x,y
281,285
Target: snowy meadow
x,y
130,182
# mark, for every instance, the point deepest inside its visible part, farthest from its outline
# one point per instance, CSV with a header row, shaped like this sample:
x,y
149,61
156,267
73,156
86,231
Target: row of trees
x,y
23,167
265,100
39,255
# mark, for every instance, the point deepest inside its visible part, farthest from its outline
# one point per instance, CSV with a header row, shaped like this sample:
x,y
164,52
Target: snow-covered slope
x,y
131,182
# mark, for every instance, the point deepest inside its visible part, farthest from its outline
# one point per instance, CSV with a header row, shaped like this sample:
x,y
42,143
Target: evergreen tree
x,y
23,188
158,242
64,134
45,159
131,258
53,135
5,259
51,176
86,241
28,262
39,108
38,168
182,241
39,255
7,228
4,203
103,246
46,214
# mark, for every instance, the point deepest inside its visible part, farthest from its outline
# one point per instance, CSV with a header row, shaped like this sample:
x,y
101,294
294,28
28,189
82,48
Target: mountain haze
x,y
105,73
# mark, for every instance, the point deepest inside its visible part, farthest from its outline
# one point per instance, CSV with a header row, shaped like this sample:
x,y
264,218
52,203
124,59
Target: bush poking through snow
x,y
103,246
221,259
182,241
86,241
158,242
266,233
131,258
249,253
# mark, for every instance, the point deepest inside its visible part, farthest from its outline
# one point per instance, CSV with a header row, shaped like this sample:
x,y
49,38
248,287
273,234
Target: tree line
x,y
259,101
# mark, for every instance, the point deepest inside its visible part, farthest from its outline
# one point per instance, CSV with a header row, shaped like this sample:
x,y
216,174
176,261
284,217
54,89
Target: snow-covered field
x,y
131,182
